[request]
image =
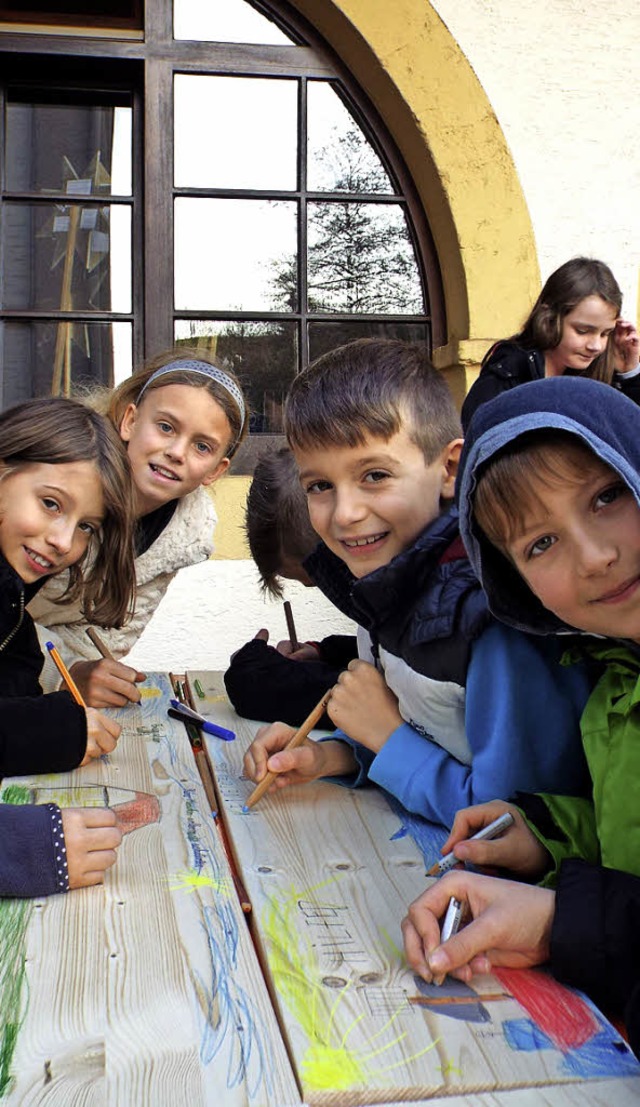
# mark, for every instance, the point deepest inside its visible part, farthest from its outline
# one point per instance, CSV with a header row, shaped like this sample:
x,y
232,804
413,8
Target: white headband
x,y
204,369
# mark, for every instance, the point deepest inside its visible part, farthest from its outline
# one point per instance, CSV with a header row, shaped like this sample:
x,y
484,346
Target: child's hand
x,y
512,926
107,683
102,735
626,346
363,706
304,652
91,837
307,762
517,849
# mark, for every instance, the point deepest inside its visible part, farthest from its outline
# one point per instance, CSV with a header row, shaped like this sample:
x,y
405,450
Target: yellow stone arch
x,y
414,72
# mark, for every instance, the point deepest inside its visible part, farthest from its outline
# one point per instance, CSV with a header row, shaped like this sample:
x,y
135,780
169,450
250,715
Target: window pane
x,y
361,259
251,133
230,254
72,149
340,157
58,257
224,21
41,359
327,336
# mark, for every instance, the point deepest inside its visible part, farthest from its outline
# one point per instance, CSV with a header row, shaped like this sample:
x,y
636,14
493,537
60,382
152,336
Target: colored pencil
x,y
296,740
291,626
65,674
99,644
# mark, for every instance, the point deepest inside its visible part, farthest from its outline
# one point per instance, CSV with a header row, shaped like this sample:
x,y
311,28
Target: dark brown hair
x,y
277,518
562,292
372,387
57,431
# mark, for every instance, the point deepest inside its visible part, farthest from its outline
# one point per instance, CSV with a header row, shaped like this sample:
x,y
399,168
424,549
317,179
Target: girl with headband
x,y
183,418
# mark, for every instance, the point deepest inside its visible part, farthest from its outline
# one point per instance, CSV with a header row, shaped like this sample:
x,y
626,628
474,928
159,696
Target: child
x,y
444,704
183,418
574,327
65,503
263,682
549,490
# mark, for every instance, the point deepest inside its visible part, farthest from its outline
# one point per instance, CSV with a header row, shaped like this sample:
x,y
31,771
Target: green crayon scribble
x,y
14,920
329,1062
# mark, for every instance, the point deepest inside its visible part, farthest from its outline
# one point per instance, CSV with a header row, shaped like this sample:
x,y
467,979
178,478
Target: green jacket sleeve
x,y
566,827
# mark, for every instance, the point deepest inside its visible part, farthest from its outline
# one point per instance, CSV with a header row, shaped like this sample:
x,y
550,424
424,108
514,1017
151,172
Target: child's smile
x,y
370,502
579,552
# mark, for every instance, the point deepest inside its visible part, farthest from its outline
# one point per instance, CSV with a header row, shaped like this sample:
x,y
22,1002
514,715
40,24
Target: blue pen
x,y
200,721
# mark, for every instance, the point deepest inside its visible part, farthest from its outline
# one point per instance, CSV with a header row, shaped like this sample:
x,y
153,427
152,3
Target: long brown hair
x,y
562,292
57,431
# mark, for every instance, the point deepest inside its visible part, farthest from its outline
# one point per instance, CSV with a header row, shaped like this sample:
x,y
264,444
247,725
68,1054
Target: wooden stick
x,y
296,740
291,626
99,644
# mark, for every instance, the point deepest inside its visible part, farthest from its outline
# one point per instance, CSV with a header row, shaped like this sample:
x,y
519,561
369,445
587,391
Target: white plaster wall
x,y
212,609
562,80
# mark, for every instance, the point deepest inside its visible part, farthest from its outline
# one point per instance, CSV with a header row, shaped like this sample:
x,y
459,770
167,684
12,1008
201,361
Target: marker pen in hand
x,y
450,926
493,830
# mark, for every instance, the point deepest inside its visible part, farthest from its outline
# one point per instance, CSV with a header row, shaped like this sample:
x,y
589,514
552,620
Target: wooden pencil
x,y
99,644
65,674
291,626
296,740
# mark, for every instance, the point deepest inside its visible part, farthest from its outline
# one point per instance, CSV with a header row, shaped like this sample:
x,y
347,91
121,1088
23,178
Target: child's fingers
x,y
95,817
470,820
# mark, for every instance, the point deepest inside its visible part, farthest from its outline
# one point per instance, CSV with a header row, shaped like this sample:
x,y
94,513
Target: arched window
x,y
214,178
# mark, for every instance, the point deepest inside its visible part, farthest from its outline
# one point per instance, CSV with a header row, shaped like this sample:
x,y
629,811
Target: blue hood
x,y
598,414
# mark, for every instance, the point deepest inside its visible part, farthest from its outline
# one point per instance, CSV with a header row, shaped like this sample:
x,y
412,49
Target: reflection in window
x,y
340,157
326,336
224,21
263,112
361,260
227,252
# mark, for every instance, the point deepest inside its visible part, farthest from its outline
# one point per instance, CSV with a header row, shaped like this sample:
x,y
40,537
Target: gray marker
x,y
450,926
493,830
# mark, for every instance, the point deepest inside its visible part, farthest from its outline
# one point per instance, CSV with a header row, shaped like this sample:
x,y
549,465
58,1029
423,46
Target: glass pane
x,y
251,135
340,157
264,356
72,149
224,21
230,255
326,336
361,259
41,359
66,257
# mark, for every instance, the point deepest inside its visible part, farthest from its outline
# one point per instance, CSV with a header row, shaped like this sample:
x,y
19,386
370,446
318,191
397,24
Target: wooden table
x,y
158,989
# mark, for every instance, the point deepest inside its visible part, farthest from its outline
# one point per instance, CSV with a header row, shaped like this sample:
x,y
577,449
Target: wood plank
x,y
149,984
330,879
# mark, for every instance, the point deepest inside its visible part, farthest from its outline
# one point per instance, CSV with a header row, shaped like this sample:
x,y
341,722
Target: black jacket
x,y
505,366
594,939
38,734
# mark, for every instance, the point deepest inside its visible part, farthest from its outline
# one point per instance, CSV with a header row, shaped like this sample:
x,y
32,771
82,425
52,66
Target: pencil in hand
x,y
291,626
99,644
296,740
65,674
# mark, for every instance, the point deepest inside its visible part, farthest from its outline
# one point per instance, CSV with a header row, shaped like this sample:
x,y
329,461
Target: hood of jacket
x,y
597,414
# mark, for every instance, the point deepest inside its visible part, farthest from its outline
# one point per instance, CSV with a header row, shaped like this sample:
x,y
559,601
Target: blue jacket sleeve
x,y
522,714
30,849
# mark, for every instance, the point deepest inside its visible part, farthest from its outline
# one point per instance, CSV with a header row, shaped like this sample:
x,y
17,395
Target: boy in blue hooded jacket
x,y
549,492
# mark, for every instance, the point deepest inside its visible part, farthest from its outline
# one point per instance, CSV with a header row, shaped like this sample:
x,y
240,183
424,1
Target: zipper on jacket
x,y
16,628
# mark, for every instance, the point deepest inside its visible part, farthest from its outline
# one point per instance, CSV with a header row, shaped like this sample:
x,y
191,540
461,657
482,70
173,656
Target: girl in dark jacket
x,y
574,328
65,503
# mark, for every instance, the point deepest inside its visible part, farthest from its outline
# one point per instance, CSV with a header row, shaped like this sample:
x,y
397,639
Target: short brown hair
x,y
57,431
277,518
508,485
372,387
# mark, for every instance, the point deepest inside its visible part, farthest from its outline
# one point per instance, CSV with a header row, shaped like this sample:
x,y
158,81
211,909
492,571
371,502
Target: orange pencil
x,y
65,674
296,740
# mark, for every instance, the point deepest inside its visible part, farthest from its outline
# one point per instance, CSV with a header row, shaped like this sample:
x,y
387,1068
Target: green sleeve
x,y
566,827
